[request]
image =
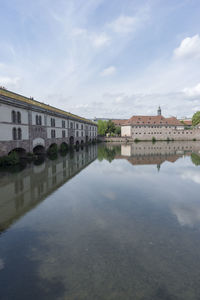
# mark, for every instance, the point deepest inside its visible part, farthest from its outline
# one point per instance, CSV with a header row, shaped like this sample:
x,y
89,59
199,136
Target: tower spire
x,y
159,111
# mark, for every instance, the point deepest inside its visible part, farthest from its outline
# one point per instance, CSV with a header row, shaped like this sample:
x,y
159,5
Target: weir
x,y
29,124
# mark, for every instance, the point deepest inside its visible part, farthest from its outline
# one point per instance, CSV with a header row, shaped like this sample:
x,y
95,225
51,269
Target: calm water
x,y
108,222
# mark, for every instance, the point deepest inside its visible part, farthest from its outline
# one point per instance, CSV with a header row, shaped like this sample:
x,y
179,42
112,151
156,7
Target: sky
x,y
100,58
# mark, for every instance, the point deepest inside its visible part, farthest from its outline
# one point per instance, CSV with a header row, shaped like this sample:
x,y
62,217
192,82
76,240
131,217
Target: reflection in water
x,y
21,192
118,230
157,153
147,153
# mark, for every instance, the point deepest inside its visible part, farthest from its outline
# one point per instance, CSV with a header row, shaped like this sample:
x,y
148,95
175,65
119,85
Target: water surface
x,y
107,222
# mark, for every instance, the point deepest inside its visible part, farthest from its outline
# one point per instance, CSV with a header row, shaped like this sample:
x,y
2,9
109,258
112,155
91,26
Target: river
x,y
106,222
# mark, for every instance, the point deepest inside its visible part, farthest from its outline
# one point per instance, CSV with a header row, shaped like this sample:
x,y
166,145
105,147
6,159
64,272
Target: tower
x,y
159,111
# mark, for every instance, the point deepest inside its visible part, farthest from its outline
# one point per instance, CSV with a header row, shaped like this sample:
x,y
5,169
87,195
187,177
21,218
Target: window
x,y
71,125
82,127
63,124
13,116
81,133
76,126
53,134
14,131
19,131
63,133
17,134
38,120
77,134
18,117
53,122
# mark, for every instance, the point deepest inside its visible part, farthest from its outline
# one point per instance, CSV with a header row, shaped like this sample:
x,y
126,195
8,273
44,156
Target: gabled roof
x,y
119,122
152,120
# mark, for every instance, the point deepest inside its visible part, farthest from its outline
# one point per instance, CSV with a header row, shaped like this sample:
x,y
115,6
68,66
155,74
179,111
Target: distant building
x,y
159,127
99,119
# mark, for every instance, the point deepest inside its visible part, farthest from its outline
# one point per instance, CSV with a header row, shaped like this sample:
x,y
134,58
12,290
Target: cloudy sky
x,y
103,58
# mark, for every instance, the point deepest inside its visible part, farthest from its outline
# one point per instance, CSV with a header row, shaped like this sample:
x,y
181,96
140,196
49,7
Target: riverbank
x,y
136,140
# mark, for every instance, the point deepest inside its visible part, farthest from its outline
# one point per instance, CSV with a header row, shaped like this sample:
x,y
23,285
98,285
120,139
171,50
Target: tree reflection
x,y
108,153
195,158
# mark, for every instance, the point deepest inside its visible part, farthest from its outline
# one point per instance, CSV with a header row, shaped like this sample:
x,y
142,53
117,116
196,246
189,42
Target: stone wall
x,y
161,133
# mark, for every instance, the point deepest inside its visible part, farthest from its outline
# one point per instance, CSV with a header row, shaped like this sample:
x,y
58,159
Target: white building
x,y
28,124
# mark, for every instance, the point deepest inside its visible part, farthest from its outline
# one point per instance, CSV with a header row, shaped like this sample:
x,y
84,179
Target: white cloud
x,y
100,40
191,175
193,91
124,24
97,40
187,213
9,81
189,48
108,71
79,31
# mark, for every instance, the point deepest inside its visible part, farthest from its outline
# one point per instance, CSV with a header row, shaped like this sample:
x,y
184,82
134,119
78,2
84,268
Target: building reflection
x,y
22,191
145,153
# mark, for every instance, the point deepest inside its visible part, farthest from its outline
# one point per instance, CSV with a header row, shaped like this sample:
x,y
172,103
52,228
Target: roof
x,y
156,159
152,120
119,122
187,122
31,101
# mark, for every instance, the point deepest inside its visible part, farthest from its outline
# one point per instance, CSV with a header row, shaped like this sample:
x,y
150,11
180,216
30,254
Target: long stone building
x,y
159,127
26,124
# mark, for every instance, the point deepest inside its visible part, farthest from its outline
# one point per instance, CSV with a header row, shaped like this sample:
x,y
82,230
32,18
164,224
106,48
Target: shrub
x,y
136,140
53,149
63,147
10,160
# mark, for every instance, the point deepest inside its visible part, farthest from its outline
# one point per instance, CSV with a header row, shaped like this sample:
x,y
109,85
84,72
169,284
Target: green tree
x,y
118,130
102,127
110,127
196,118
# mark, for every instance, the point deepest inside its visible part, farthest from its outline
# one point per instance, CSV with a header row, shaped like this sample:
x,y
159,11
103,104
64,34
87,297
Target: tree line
x,y
108,128
196,118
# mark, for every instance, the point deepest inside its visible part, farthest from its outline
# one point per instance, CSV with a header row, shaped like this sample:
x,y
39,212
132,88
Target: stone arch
x,y
77,143
82,142
71,140
53,145
39,149
38,142
20,151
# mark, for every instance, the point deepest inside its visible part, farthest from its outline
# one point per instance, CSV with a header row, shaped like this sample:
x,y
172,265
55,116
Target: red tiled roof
x,y
118,122
152,120
187,122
